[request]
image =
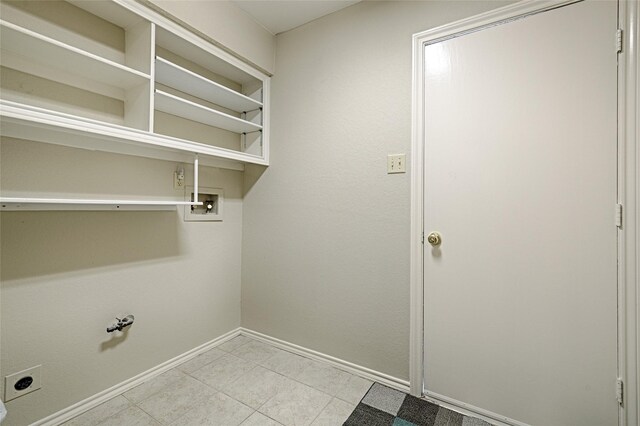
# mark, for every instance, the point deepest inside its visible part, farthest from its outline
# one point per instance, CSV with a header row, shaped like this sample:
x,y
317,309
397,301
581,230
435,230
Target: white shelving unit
x,y
150,65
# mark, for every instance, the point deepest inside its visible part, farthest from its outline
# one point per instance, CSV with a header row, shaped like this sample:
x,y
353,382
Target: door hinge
x,y
620,391
619,40
619,215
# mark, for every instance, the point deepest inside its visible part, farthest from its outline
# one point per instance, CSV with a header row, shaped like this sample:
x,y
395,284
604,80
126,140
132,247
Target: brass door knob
x,y
434,239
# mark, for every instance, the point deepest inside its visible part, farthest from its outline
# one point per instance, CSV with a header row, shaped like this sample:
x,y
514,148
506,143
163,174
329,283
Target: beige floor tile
x,y
132,416
155,385
323,377
259,419
256,386
200,361
176,399
218,410
101,412
297,405
354,390
255,351
234,343
287,364
223,371
334,414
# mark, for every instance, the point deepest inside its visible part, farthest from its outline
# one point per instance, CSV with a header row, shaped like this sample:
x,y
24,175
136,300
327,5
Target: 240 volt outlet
x,y
22,383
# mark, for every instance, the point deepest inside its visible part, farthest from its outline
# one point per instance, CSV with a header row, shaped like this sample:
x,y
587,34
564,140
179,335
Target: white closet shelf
x,y
205,54
41,125
177,106
186,81
34,204
51,53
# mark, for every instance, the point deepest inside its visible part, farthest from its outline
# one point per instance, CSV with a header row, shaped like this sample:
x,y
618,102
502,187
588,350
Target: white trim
x,y
266,120
349,367
471,410
629,291
416,292
492,17
101,397
629,196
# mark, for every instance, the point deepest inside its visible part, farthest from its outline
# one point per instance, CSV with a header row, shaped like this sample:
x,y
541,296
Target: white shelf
x,y
35,204
186,81
177,106
42,125
49,53
204,53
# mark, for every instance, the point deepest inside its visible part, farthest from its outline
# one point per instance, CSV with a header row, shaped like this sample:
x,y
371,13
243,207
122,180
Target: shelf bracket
x,y
195,179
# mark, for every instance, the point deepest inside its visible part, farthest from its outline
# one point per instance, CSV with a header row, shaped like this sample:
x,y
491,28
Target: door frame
x,y
628,196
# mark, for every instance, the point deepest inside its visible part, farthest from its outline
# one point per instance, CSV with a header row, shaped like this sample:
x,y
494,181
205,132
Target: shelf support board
x,y
195,181
50,204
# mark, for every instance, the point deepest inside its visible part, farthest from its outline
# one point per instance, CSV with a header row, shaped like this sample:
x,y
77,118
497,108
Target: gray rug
x,y
383,406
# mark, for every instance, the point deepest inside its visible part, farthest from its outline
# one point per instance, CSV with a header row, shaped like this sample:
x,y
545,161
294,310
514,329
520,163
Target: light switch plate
x,y
396,163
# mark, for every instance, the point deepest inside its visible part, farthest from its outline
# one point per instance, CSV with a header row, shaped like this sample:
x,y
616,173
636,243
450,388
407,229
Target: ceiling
x,y
278,16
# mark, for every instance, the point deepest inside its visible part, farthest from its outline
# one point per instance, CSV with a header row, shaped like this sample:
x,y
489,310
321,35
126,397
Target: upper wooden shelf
x,y
177,106
42,125
186,81
47,53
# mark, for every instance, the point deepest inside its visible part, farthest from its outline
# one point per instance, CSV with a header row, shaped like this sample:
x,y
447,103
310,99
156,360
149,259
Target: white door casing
x,y
520,299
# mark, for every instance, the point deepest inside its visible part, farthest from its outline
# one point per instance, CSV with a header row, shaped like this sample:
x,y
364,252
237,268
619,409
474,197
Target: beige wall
x,y
66,275
325,228
227,25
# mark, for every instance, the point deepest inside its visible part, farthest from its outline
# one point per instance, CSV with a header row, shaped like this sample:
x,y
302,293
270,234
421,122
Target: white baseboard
x,y
101,397
471,410
358,370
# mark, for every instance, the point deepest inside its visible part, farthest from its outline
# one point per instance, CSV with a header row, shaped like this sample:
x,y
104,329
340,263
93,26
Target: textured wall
x,y
66,275
326,229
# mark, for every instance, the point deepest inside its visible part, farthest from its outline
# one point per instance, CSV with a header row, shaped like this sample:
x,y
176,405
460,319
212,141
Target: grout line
x,y
256,364
322,409
148,414
337,363
331,397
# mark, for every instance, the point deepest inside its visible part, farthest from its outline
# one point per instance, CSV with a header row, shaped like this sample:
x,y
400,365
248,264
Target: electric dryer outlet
x,y
22,382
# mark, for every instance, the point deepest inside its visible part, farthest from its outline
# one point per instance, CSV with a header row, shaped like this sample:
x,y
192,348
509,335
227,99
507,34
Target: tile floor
x,y
240,382
250,383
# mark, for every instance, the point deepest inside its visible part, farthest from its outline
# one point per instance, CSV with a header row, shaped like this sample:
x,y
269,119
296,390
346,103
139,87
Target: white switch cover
x,y
396,163
30,382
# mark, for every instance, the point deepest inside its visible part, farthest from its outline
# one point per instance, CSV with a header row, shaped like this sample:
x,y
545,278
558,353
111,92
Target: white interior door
x,y
520,181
